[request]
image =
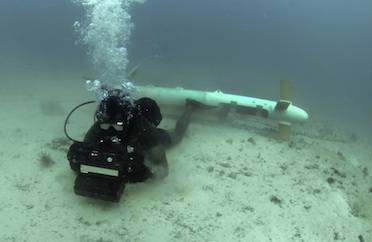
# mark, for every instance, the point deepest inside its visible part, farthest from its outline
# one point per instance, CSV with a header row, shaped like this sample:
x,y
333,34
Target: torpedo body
x,y
283,111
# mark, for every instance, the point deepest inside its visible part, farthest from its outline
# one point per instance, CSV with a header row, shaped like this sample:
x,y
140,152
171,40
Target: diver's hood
x,y
114,108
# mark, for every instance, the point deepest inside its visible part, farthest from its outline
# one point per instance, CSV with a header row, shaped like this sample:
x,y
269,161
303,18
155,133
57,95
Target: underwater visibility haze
x,y
229,180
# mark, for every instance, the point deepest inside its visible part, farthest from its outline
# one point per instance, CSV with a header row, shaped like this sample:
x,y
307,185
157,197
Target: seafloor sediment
x,y
228,181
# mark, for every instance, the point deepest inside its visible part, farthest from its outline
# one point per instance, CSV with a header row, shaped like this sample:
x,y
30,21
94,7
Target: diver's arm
x,y
157,161
183,122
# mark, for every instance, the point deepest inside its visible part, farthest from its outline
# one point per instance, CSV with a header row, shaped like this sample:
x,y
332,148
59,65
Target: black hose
x,y
68,117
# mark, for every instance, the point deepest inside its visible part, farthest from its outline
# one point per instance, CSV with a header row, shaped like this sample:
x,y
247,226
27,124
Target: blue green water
x,y
243,47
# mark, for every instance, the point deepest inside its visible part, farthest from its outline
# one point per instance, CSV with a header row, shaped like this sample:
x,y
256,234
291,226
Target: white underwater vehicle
x,y
282,110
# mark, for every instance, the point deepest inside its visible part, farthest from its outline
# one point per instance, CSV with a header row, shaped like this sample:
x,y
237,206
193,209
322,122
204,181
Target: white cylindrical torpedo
x,y
283,111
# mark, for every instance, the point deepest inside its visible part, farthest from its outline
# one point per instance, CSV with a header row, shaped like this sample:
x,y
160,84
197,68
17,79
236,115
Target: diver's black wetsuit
x,y
140,135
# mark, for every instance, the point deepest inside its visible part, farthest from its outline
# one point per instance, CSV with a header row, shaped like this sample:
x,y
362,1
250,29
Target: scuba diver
x,y
124,145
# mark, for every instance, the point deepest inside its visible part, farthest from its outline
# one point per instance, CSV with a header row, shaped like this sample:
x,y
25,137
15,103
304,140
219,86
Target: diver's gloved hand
x,y
158,171
191,103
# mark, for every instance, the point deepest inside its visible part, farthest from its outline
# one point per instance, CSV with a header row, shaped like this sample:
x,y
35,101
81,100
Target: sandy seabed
x,y
230,181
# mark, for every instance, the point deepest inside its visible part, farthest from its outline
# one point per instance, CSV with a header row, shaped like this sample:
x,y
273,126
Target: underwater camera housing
x,y
100,174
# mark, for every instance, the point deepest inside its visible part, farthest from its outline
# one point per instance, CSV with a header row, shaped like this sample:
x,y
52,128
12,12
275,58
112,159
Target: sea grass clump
x,y
60,144
45,159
